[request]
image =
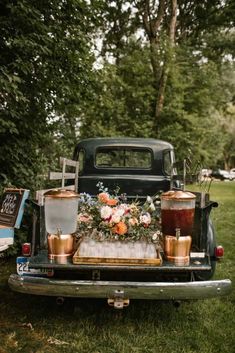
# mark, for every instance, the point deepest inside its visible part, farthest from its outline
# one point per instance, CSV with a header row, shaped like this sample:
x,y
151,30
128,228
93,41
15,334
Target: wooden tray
x,y
83,260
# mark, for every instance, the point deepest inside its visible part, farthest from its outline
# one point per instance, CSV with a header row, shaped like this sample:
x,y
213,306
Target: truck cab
x,y
138,168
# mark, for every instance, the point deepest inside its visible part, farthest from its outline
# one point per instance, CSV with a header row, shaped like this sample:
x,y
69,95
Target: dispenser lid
x,y
178,195
61,193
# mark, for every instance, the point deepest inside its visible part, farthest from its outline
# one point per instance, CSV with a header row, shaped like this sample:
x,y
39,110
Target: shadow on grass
x,y
41,309
37,324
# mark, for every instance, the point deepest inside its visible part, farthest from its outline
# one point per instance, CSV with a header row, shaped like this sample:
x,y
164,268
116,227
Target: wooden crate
x,y
82,260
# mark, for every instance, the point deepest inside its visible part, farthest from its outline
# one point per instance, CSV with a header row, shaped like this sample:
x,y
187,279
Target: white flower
x,y
115,218
145,218
152,207
118,212
155,236
105,212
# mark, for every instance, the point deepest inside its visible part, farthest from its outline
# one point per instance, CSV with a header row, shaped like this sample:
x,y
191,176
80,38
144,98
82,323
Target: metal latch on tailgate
x,y
118,301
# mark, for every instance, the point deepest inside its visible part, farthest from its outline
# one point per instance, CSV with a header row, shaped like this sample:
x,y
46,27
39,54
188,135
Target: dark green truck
x,y
139,168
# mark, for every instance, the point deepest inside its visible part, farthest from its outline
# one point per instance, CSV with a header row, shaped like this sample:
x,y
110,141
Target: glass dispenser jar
x,y
177,212
61,207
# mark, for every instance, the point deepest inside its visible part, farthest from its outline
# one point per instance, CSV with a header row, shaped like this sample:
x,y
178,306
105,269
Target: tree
x,y
123,104
45,71
188,47
159,22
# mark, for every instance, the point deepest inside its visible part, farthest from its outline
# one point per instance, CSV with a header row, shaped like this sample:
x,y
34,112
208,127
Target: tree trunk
x,y
168,59
152,21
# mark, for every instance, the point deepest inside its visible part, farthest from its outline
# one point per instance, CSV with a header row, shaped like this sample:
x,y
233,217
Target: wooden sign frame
x,y
9,206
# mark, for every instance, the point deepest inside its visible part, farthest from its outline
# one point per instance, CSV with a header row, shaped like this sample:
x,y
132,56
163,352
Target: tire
x,y
211,244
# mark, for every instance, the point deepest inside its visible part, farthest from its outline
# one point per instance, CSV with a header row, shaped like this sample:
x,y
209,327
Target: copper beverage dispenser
x,y
61,208
177,214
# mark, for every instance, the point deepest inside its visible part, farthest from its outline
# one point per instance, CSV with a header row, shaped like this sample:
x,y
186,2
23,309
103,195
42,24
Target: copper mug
x,y
177,249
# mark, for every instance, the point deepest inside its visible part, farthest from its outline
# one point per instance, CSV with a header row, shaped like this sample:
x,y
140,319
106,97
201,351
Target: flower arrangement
x,y
111,217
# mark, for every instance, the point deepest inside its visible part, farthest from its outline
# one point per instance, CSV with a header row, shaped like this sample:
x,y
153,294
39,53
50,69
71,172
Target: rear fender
x,y
211,240
211,244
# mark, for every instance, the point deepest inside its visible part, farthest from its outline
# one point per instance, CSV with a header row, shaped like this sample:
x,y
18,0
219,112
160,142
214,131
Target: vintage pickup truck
x,y
139,168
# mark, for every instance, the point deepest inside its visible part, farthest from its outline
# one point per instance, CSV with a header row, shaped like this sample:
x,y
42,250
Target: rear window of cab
x,y
139,158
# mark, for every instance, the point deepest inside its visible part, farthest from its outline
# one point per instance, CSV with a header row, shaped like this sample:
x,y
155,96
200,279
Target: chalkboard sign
x,y
9,206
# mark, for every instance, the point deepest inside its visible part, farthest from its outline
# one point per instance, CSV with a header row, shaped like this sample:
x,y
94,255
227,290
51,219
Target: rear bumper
x,y
109,289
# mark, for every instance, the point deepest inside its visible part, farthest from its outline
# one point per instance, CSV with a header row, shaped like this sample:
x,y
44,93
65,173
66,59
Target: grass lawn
x,y
31,324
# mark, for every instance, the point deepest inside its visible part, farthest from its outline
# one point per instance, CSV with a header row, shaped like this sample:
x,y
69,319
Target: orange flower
x,y
112,202
103,197
120,228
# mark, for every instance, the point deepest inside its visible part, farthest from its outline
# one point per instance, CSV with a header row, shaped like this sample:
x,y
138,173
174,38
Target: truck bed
x,y
41,261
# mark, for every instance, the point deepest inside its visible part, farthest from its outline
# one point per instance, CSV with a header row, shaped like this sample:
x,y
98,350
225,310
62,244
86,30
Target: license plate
x,y
22,267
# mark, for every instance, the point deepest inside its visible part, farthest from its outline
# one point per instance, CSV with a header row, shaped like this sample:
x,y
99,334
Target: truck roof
x,y
152,143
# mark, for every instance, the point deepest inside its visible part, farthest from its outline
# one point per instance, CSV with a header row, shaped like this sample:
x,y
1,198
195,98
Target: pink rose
x,y
133,221
84,217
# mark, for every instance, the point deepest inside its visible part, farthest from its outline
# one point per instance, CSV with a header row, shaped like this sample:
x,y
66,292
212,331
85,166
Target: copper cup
x,y
177,250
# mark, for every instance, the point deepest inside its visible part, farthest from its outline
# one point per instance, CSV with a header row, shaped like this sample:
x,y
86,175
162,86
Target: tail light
x,y
219,251
26,249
